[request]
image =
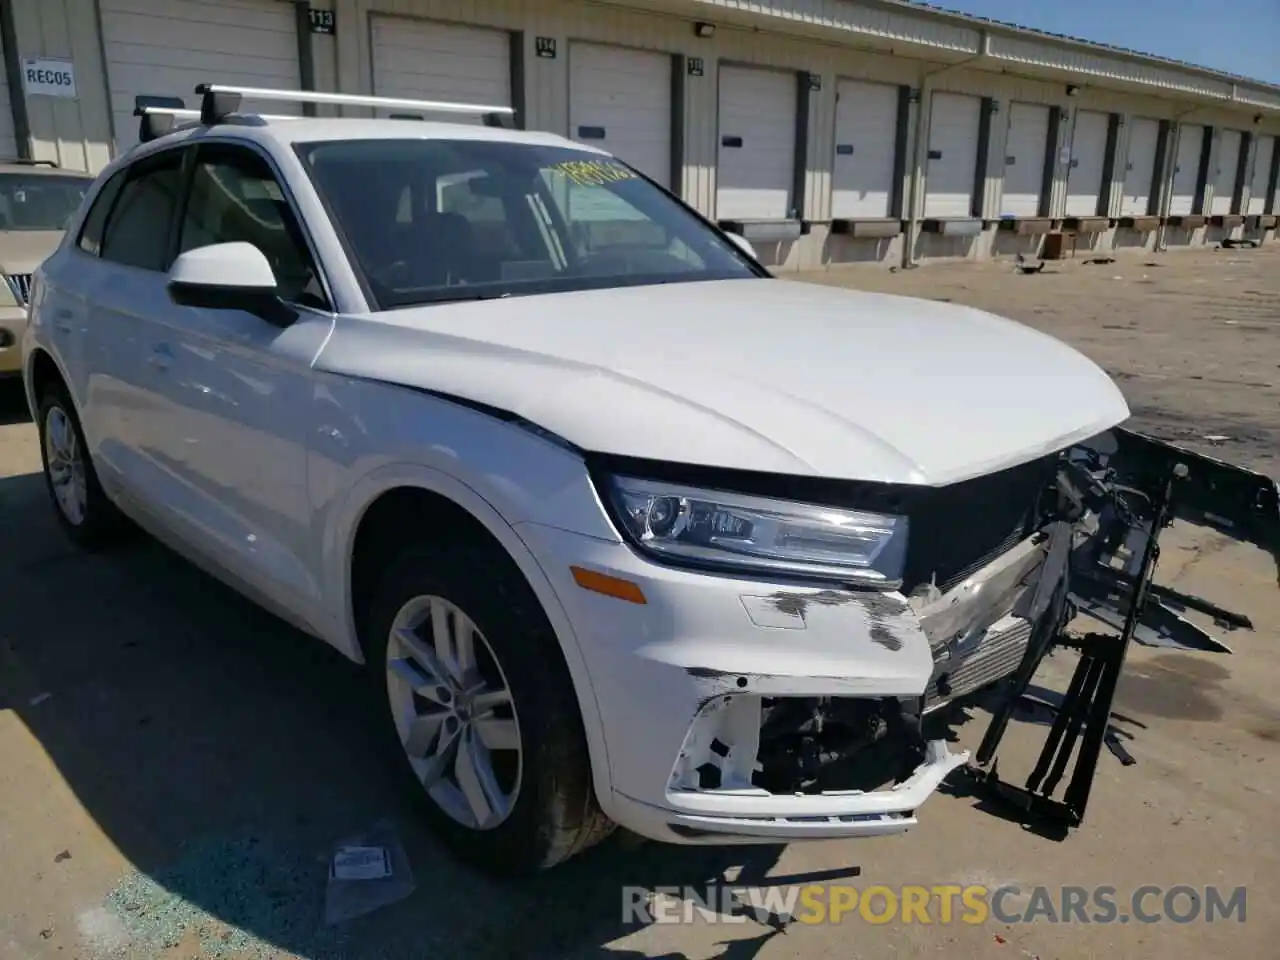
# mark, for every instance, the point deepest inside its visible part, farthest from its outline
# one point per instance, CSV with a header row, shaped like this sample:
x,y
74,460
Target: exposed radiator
x,y
978,664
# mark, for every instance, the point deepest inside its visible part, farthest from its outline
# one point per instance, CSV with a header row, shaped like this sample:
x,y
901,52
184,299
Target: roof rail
x,y
218,101
28,162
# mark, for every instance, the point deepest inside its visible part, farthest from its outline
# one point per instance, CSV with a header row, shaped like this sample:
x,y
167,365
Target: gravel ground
x,y
1193,338
175,765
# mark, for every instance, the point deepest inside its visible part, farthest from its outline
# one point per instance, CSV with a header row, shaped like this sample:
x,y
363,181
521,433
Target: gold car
x,y
37,198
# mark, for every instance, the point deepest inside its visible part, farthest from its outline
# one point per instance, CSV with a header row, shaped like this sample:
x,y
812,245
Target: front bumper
x,y
683,681
13,321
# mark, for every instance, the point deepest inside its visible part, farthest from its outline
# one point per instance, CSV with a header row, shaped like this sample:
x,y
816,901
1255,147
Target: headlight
x,y
758,534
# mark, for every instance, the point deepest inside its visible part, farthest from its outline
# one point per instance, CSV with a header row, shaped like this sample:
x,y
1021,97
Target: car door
x,y
236,396
119,266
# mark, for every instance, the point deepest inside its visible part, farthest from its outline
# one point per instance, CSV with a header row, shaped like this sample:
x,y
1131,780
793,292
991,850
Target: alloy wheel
x,y
454,712
66,466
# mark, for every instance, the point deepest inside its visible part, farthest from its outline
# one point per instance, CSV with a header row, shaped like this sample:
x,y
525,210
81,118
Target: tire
x,y
98,523
552,813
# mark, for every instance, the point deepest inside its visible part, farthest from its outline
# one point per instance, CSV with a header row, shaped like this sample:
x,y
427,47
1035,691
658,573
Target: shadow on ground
x,y
13,403
224,753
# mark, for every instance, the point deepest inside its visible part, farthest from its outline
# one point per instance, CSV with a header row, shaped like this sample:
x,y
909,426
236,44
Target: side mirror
x,y
229,276
744,245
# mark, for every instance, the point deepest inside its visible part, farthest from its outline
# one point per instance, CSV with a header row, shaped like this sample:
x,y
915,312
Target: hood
x,y
22,251
768,375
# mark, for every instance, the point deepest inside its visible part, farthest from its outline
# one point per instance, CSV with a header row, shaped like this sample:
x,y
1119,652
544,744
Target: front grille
x,y
958,529
20,287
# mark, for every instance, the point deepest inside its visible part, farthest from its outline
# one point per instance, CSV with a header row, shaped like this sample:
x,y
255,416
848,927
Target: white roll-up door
x,y
1224,178
953,155
1186,169
1140,167
1088,160
866,140
757,153
424,60
1025,144
1261,174
166,47
620,101
8,140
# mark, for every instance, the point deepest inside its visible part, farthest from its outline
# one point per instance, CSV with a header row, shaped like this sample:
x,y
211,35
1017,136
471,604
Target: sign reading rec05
x,y
48,78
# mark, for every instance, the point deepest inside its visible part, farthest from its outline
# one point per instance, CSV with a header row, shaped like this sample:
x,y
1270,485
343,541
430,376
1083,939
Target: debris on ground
x,y
367,873
235,896
1021,265
1093,260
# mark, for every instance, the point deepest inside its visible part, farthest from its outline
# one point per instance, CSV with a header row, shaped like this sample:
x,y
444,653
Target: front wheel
x,y
478,709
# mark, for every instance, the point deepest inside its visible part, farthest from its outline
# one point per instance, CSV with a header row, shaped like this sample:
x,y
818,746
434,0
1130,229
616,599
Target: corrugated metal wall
x,y
830,38
72,133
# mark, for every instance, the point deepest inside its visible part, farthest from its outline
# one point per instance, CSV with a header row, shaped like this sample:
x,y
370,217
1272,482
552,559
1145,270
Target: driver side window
x,y
236,197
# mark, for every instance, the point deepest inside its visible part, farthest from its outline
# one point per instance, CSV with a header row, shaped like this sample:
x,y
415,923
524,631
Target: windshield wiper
x,y
452,298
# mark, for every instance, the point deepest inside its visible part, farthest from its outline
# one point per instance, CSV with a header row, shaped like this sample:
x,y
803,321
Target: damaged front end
x,y
990,615
1115,496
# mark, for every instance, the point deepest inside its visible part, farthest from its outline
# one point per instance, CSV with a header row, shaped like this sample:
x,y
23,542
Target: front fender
x,y
340,541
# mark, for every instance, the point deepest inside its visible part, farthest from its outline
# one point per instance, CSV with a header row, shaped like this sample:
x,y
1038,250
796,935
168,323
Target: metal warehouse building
x,y
826,131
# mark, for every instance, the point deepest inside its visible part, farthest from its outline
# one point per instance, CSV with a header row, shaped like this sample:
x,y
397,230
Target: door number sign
x,y
322,21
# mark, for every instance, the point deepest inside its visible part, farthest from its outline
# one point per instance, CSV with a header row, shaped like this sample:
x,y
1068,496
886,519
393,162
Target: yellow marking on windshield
x,y
593,173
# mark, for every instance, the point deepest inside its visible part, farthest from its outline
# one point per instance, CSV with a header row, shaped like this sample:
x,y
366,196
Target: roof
x,y
923,7
286,132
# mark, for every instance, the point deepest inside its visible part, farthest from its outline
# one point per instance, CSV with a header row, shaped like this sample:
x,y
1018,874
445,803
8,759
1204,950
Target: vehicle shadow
x,y
224,754
13,402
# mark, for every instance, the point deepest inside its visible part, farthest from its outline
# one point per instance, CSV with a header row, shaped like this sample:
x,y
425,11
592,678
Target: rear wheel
x,y
83,510
478,710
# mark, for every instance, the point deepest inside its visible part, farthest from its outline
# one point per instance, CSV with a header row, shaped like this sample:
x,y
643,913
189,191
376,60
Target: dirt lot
x,y
174,764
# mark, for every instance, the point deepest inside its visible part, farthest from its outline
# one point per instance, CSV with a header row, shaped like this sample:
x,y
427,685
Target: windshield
x,y
39,201
436,220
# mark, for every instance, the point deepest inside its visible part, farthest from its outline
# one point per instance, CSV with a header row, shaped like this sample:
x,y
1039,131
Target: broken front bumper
x,y
686,681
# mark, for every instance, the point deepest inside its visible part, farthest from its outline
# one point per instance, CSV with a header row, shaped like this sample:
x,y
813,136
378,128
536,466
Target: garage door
x,y
620,101
1025,144
953,155
422,60
866,140
757,154
1088,159
1140,167
1261,175
1186,170
1224,179
166,47
8,142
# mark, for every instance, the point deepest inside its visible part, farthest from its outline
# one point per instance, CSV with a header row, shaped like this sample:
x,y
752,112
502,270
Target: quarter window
x,y
137,231
235,197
